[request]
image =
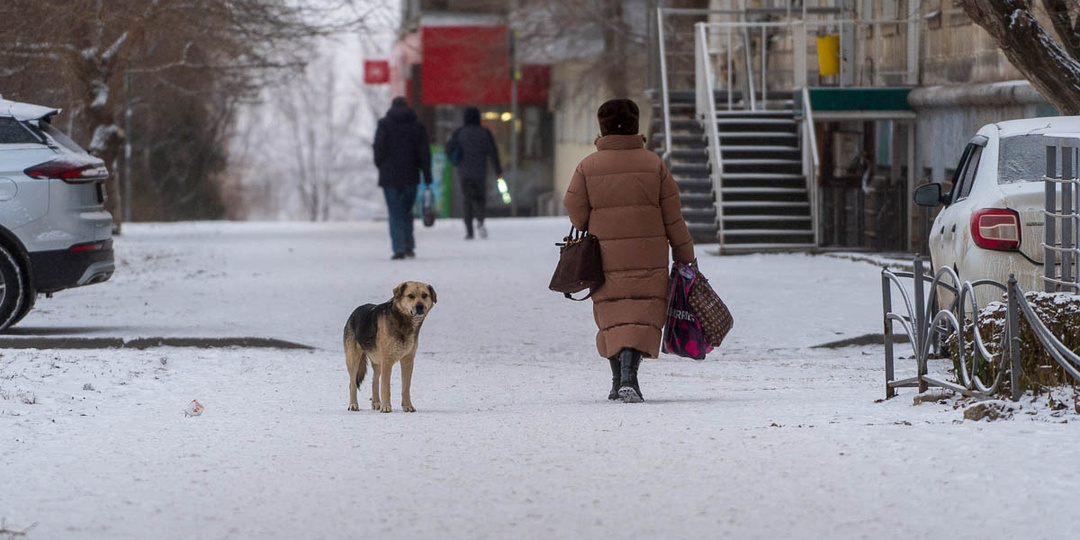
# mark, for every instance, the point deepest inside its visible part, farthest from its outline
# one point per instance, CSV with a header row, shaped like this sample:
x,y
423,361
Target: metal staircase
x,y
764,198
733,142
689,164
750,167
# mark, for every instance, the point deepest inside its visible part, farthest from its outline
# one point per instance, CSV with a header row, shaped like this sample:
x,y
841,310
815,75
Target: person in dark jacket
x,y
401,154
469,149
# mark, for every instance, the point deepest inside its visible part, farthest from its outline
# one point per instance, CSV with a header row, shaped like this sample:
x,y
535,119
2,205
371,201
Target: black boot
x,y
616,378
635,363
629,359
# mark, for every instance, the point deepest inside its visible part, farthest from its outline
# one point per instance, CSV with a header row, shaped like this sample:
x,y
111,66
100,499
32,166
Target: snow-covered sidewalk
x,y
514,437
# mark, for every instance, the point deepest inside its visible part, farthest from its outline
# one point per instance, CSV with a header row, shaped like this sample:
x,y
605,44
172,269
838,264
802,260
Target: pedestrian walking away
x,y
625,196
401,155
470,148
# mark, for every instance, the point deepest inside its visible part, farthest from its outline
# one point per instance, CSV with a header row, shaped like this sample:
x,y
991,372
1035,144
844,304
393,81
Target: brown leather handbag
x,y
579,265
714,316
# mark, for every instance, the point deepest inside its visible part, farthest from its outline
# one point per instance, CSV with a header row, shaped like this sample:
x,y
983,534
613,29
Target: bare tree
x,y
238,43
319,129
1052,66
599,30
305,149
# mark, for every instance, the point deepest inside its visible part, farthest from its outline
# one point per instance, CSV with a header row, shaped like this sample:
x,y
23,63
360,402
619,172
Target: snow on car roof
x,y
25,111
1039,126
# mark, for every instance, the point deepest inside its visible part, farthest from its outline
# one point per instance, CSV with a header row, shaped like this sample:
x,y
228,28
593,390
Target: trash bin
x,y
828,53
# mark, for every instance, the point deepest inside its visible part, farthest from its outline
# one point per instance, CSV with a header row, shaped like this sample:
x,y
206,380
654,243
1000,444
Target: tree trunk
x,y
110,155
614,57
1029,47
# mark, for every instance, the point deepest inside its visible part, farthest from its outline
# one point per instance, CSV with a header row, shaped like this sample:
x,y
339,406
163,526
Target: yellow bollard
x,y
828,53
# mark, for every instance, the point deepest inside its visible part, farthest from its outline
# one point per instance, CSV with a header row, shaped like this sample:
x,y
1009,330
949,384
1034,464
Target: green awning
x,y
876,102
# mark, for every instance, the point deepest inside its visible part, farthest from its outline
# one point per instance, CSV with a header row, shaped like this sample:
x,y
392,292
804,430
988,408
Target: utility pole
x,y
515,122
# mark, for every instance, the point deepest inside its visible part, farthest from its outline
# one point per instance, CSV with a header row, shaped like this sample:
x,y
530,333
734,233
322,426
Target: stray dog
x,y
386,334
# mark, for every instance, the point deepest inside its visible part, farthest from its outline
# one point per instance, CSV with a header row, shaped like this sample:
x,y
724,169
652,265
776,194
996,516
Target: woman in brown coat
x,y
625,196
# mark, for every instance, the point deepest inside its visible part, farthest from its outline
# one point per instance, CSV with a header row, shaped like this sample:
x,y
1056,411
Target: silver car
x,y
54,231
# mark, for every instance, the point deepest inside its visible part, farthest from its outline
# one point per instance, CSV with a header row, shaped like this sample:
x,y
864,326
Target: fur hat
x,y
618,117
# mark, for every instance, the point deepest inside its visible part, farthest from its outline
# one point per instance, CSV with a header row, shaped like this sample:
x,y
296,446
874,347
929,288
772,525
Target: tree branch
x,y
1031,49
1068,31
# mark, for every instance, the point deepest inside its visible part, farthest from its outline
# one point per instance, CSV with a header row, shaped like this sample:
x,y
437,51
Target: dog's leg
x,y
375,371
384,386
352,361
406,383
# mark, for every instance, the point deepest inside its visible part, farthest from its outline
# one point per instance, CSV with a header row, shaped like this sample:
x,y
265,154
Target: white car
x,y
992,224
54,231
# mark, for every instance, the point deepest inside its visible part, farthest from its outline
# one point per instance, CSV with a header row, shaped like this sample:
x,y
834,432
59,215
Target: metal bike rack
x,y
922,326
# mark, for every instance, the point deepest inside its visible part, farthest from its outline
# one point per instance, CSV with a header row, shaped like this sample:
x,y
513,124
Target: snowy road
x,y
514,437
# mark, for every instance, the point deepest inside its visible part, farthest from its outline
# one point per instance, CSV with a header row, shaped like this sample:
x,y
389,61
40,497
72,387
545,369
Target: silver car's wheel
x,y
11,288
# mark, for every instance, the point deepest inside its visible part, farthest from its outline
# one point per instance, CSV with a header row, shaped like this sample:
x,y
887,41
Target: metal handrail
x,y
811,176
665,97
709,114
805,25
749,75
1068,218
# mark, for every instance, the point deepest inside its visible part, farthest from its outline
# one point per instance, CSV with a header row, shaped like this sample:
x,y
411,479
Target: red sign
x,y
376,71
470,65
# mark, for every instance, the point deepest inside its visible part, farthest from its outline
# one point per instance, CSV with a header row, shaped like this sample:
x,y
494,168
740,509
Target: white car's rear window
x,y
60,137
1022,158
14,132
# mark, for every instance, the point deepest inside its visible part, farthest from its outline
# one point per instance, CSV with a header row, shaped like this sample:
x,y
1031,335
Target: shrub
x,y
1060,312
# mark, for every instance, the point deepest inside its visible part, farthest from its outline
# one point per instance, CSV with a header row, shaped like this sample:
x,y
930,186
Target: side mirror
x,y
928,195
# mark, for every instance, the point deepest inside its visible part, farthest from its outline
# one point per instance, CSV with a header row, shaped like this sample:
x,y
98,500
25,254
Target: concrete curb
x,y
867,339
147,343
900,262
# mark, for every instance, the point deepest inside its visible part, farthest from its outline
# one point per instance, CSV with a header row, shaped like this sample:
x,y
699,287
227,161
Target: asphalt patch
x,y
74,342
866,339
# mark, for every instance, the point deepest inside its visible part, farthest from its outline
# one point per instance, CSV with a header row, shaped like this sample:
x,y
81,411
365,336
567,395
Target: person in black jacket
x,y
401,154
470,148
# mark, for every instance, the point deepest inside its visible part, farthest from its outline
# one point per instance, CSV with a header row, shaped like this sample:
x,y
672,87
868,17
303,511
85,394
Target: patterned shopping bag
x,y
683,335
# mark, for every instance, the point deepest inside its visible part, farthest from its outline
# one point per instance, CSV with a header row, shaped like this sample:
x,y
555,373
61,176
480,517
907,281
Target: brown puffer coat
x,y
625,196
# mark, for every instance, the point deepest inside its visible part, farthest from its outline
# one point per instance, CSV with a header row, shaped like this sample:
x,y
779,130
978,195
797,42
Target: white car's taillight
x,y
996,228
68,170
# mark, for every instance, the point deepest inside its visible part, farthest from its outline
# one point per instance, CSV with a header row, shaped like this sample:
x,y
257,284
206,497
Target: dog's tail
x,y
362,372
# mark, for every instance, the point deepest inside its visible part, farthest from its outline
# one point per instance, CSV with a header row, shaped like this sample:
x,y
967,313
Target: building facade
x,y
455,54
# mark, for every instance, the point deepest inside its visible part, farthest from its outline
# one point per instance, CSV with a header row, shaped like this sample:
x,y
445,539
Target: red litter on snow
x,y
194,408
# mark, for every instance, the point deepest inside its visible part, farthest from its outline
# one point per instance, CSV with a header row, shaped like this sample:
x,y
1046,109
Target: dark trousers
x,y
475,190
399,202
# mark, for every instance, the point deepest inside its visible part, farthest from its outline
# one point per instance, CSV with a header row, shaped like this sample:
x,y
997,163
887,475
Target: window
x,y
1022,158
970,169
60,137
13,132
964,176
958,174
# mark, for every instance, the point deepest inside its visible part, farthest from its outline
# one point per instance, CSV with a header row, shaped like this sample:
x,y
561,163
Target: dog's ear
x,y
434,298
399,291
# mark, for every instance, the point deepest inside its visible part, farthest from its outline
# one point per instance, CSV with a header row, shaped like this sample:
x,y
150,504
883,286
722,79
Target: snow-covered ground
x,y
514,436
